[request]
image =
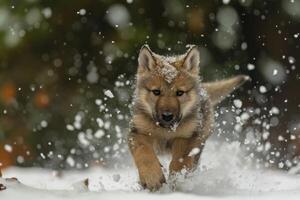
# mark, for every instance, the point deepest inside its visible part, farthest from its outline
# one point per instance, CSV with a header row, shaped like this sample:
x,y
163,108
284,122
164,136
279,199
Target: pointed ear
x,y
192,60
146,60
219,90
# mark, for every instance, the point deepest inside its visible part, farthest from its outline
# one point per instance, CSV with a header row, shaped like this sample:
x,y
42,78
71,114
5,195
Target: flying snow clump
x,y
250,66
226,1
99,133
81,12
47,12
109,94
70,127
237,103
194,151
8,148
262,89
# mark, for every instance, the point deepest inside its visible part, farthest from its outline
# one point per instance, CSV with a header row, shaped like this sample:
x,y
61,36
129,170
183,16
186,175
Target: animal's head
x,y
168,88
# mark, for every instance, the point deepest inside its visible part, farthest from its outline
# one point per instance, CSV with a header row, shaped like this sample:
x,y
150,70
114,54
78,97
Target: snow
x,y
291,59
194,151
47,12
70,161
262,89
8,148
117,14
168,72
81,12
109,94
244,46
92,76
70,127
237,103
274,110
99,133
174,126
267,66
44,123
250,66
226,1
225,172
98,102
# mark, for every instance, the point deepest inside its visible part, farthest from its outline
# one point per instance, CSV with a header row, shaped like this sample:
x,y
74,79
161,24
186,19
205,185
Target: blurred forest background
x,y
67,69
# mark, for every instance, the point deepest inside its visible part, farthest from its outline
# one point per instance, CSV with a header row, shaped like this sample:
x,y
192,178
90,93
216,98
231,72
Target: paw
x,y
152,179
152,182
181,165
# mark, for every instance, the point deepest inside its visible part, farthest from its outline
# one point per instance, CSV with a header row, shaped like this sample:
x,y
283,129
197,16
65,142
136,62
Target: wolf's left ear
x,y
192,60
146,59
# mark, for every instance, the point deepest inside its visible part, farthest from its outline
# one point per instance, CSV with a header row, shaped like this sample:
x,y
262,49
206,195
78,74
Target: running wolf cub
x,y
173,110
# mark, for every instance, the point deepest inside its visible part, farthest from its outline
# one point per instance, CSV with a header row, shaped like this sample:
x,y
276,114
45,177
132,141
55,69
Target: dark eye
x,y
179,93
156,92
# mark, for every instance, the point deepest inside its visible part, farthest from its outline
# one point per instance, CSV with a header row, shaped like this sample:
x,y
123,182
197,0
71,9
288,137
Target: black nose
x,y
167,116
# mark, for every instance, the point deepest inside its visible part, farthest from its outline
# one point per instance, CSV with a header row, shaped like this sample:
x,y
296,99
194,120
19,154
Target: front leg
x,y
149,167
185,154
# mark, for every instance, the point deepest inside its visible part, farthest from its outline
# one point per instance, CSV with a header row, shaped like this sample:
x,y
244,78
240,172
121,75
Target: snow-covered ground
x,y
224,173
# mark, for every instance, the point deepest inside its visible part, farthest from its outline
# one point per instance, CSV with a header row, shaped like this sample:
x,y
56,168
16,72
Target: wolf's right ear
x,y
192,60
146,59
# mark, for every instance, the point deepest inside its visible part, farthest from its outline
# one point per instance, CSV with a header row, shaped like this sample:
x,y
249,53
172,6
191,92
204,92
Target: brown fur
x,y
192,111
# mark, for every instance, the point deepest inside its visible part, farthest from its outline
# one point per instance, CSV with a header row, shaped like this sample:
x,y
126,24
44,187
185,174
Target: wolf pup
x,y
172,111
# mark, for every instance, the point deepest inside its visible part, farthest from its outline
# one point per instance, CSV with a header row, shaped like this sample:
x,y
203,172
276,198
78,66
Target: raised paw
x,y
181,165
